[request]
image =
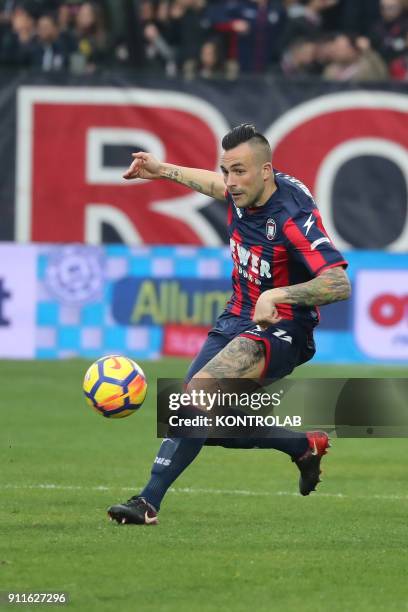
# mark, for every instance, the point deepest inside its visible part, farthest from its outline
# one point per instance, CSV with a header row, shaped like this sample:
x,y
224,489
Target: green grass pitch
x,y
233,534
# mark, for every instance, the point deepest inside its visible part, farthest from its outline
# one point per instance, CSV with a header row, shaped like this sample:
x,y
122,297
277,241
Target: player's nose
x,y
230,182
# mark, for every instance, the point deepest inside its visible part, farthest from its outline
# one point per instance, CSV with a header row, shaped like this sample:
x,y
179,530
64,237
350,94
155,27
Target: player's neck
x,y
269,190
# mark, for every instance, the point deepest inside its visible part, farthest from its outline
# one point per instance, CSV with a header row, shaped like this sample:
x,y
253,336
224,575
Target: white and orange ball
x,y
115,386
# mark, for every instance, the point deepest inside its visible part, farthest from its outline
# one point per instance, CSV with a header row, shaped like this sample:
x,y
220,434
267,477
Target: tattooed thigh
x,y
241,358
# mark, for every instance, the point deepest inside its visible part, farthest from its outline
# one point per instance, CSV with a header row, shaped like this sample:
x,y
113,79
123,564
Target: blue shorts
x,y
287,344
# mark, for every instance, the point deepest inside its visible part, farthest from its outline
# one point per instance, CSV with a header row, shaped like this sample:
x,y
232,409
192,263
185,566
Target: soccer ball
x,y
115,386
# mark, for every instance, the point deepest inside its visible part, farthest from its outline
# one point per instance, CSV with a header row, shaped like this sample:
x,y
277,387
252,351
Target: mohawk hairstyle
x,y
243,133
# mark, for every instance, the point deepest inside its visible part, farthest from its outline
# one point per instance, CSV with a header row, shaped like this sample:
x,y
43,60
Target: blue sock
x,y
174,455
293,443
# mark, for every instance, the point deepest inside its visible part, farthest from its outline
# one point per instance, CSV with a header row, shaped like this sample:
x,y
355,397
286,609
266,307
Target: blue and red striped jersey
x,y
281,243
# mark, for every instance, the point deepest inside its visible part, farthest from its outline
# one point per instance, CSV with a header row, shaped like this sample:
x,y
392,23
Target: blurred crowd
x,y
340,40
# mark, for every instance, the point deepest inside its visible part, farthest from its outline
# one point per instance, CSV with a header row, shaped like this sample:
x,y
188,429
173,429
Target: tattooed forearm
x,y
332,285
197,187
209,190
240,358
174,174
204,181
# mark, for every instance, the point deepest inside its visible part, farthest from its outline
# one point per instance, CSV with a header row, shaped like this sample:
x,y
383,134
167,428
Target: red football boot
x,y
309,462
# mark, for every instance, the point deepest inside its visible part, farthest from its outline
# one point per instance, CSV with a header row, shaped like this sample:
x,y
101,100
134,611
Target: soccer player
x,y
285,265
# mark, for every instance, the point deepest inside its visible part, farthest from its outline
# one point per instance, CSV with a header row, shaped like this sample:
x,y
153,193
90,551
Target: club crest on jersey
x,y
270,229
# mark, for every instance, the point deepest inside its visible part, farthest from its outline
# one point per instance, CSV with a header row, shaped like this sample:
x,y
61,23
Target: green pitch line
x,y
233,534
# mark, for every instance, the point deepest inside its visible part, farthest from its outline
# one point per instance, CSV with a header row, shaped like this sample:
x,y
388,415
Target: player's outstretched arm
x,y
330,286
146,166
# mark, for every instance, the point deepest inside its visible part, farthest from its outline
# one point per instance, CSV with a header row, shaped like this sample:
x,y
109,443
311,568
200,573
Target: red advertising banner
x,y
69,187
348,145
184,340
381,313
317,139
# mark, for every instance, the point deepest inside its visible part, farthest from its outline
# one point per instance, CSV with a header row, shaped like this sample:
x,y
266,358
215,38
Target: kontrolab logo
x,y
5,295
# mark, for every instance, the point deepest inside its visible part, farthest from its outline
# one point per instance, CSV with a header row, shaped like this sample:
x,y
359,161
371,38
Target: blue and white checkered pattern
x,y
86,328
75,287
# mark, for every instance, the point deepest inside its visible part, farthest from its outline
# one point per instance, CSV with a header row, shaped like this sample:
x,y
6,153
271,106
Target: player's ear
x,y
267,171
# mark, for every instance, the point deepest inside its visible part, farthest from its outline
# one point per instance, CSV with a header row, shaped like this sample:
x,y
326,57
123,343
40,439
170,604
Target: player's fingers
x,y
133,170
130,175
136,164
263,326
266,321
274,316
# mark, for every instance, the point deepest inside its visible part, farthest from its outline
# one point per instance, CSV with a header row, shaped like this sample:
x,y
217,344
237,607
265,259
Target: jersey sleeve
x,y
309,242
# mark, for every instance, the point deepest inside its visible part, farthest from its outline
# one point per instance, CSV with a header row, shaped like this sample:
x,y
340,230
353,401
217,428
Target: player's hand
x,y
266,312
143,166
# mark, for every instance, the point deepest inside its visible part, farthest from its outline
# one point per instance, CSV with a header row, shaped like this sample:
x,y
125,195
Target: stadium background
x,y
65,147
91,265
86,83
